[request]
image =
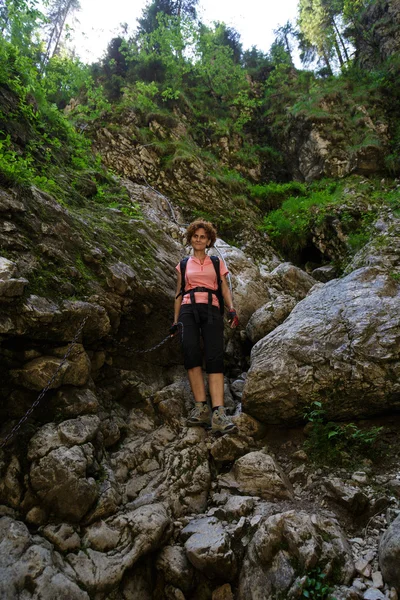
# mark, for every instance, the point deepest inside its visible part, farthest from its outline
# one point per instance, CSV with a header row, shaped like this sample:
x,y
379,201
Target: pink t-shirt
x,y
201,275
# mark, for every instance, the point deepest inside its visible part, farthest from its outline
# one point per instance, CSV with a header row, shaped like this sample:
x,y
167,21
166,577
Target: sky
x,y
255,20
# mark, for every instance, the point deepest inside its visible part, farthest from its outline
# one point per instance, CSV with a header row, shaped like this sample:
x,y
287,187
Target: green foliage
x,y
271,195
337,443
316,586
64,79
133,211
290,226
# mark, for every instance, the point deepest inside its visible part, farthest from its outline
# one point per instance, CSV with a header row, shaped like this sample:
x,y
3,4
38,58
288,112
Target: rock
x,y
63,536
73,401
360,477
237,388
292,280
208,548
228,448
101,537
235,508
348,496
68,433
372,594
324,274
59,479
269,316
12,288
249,289
377,579
331,332
223,593
28,562
289,543
174,401
248,426
10,483
37,373
389,554
177,570
140,532
121,277
363,567
258,474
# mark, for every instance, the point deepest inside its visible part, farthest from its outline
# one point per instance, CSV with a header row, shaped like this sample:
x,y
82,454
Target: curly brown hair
x,y
207,226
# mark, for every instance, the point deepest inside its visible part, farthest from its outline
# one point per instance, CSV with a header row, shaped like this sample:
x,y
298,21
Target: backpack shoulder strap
x,y
215,262
183,264
217,267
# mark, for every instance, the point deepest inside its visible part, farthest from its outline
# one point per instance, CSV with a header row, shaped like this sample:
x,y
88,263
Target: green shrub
x,y
335,443
316,586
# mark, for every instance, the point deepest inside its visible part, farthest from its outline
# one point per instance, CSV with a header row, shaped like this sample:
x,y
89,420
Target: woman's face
x,y
200,239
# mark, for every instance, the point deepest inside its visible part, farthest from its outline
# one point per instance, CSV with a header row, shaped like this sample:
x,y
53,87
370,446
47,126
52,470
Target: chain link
x,y
131,349
26,416
38,400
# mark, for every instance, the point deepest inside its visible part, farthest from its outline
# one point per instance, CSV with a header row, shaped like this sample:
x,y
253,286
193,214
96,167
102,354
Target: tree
x,y
322,24
174,8
57,15
20,21
228,36
317,30
285,34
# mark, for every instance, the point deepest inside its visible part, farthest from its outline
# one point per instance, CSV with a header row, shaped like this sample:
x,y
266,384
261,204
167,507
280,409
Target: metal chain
x,y
131,349
26,416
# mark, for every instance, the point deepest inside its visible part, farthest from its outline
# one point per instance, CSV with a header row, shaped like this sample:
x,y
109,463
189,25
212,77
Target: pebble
x,y
373,594
360,477
377,579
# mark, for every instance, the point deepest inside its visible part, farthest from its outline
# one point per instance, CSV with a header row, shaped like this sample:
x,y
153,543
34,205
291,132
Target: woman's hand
x,y
233,319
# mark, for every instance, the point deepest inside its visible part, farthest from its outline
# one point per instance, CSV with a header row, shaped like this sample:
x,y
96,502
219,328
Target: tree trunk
x,y
339,35
327,63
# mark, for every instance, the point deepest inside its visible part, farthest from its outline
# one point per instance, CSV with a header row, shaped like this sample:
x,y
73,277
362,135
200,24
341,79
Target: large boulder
x,y
249,288
341,344
269,316
30,563
208,548
288,545
62,455
258,474
389,554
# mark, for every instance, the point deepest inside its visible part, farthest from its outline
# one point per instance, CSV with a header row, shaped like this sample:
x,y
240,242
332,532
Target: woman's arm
x,y
226,292
178,301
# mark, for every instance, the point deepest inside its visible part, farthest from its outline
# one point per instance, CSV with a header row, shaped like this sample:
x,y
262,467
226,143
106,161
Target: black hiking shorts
x,y
211,333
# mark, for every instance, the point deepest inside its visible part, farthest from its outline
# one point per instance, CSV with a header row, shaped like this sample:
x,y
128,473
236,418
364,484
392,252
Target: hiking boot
x,y
200,416
221,423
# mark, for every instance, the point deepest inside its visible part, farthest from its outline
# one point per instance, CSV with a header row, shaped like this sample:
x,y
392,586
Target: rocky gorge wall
x,y
105,493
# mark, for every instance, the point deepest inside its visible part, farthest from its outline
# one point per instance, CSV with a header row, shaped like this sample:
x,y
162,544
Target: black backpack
x,y
218,292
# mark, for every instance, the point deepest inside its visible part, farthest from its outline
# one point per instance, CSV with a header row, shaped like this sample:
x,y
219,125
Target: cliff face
x,y
381,21
104,491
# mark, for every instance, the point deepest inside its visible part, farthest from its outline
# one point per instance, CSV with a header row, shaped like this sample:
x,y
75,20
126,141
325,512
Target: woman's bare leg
x,y
216,385
196,381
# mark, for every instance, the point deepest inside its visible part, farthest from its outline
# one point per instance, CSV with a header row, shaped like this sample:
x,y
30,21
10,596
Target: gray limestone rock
x,y
349,496
389,554
289,542
60,481
178,571
30,562
37,373
208,548
269,316
258,474
342,341
140,532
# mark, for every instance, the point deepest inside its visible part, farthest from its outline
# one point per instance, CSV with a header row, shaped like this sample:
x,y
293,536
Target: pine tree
x,y
178,8
57,15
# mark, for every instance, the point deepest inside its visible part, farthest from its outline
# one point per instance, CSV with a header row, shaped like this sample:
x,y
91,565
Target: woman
x,y
203,317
